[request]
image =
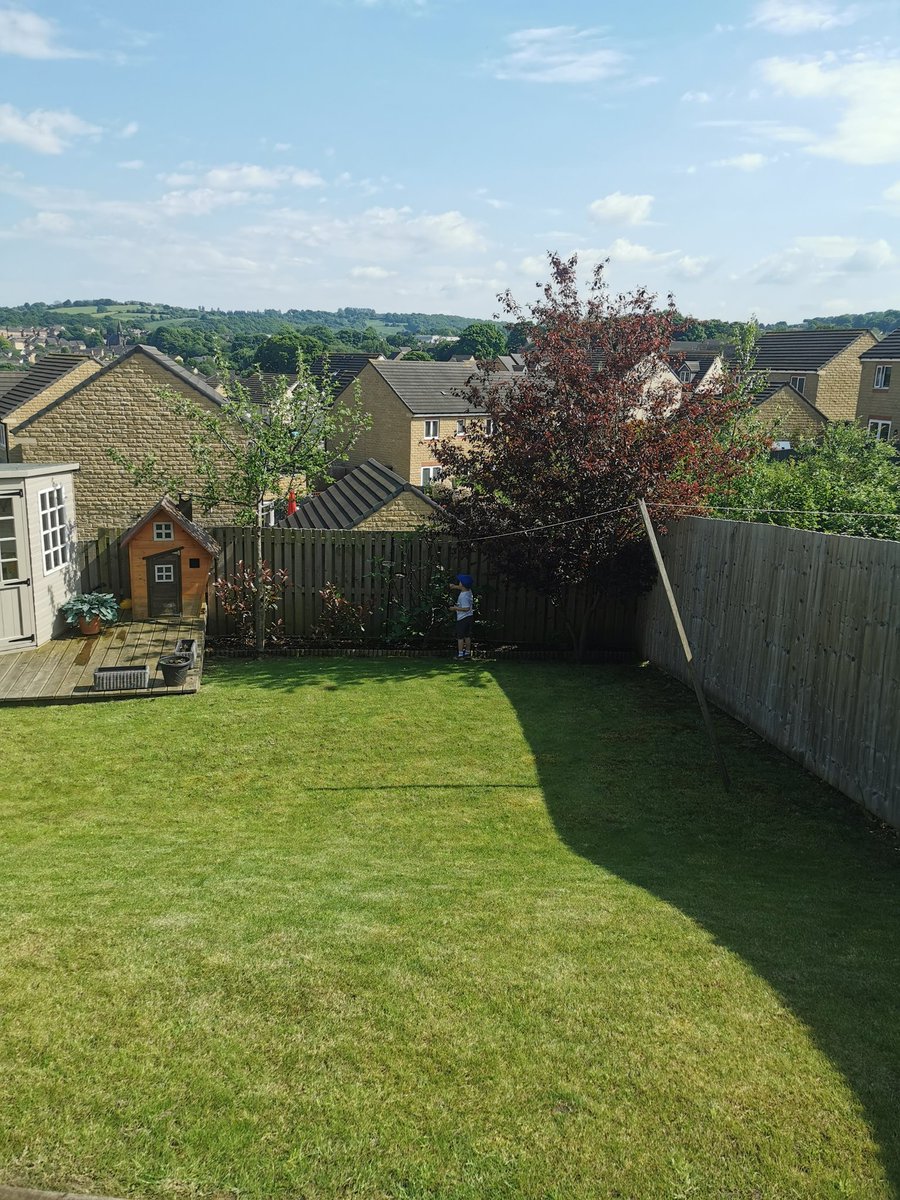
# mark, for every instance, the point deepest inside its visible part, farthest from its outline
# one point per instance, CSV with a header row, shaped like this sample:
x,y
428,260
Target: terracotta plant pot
x,y
89,628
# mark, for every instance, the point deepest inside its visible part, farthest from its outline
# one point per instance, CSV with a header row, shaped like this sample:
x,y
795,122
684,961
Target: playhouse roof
x,y
168,506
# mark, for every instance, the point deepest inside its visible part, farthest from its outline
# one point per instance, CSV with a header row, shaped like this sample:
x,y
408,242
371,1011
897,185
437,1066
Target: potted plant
x,y
88,610
175,668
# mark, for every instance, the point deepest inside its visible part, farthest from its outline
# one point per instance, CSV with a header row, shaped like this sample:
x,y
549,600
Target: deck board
x,y
62,671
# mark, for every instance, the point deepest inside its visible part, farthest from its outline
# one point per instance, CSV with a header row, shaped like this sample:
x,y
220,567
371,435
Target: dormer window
x,y
685,374
162,531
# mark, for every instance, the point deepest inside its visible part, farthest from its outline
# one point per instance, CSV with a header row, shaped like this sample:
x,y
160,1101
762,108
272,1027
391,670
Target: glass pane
x,y
9,569
7,527
6,506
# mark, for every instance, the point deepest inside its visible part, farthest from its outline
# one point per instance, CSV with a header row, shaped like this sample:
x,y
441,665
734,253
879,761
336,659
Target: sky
x,y
425,155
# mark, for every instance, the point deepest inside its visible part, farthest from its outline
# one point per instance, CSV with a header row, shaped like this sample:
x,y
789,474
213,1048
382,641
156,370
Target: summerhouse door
x,y
16,593
164,585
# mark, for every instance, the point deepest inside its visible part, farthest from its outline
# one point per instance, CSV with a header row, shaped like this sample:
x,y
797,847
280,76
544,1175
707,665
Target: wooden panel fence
x,y
385,573
795,634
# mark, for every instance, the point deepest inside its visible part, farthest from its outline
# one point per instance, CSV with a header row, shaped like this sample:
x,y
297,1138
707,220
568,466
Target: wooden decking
x,y
62,671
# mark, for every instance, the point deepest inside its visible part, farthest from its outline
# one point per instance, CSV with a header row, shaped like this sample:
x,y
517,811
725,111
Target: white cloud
x,y
560,54
27,35
697,97
692,267
129,130
814,260
892,195
868,131
199,201
131,164
626,209
773,131
44,131
372,273
378,234
783,16
256,178
623,250
744,162
46,223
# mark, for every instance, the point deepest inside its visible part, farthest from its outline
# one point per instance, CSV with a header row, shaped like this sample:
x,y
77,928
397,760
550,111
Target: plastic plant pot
x,y
175,668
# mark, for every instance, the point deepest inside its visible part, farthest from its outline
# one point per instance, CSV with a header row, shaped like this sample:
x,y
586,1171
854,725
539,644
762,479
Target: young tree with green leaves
x,y
250,452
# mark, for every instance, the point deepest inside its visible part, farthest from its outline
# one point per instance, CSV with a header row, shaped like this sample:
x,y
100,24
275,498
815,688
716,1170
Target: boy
x,y
465,615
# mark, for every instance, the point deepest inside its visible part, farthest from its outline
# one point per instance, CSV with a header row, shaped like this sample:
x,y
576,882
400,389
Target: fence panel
x,y
794,634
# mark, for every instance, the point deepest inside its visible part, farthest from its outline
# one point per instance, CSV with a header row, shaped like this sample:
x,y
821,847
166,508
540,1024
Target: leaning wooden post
x,y
685,644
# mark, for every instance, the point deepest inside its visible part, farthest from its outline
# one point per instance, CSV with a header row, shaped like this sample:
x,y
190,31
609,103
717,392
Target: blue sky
x,y
425,154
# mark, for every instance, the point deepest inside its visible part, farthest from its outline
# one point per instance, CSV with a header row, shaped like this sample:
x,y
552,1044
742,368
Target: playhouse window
x,y
162,531
164,573
54,528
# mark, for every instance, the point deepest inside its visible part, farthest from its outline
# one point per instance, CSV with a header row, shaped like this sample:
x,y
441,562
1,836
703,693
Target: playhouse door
x,y
16,595
164,585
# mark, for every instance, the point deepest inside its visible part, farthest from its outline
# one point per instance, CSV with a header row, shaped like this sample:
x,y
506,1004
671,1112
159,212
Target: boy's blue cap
x,y
465,580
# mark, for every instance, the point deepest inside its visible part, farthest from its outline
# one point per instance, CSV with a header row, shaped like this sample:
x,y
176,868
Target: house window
x,y
430,474
685,374
162,531
432,430
164,573
882,379
54,529
881,429
798,382
489,427
460,429
9,556
2,437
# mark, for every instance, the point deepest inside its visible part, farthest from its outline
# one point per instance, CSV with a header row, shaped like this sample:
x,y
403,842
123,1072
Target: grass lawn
x,y
379,928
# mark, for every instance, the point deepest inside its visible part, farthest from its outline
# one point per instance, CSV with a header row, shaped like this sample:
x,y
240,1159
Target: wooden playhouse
x,y
169,560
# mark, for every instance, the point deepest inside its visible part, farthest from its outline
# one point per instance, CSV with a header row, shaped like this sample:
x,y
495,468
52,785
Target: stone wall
x,y
788,417
65,383
388,439
839,381
405,512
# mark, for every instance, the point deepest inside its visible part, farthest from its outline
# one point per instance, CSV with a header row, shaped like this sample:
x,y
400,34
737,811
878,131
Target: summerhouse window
x,y
162,531
54,528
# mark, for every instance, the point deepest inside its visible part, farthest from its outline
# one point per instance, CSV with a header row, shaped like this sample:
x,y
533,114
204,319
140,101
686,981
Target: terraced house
x,y
878,407
72,409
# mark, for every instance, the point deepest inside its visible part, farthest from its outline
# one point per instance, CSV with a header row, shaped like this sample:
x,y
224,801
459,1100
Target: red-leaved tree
x,y
595,423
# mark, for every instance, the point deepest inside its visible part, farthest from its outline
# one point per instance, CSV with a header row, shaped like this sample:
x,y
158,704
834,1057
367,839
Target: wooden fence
x,y
385,573
795,634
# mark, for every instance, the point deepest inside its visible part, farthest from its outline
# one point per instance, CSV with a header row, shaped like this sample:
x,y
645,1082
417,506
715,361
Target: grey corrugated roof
x,y
44,372
802,349
430,387
888,348
362,492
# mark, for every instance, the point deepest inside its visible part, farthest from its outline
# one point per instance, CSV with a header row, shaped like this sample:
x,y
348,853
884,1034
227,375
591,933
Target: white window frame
x,y
489,426
881,428
685,373
882,378
55,541
430,475
159,531
163,572
2,436
460,427
432,430
798,383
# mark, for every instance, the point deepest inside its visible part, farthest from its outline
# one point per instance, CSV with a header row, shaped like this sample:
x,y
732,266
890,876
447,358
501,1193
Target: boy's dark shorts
x,y
464,627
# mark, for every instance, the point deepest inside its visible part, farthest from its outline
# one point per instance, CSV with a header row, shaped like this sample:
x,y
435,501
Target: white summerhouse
x,y
38,571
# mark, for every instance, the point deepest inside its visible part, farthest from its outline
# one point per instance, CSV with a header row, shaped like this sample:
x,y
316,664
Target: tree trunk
x,y
259,599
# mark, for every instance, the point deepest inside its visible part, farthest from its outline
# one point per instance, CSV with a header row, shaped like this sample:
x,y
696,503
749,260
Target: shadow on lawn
x,y
783,871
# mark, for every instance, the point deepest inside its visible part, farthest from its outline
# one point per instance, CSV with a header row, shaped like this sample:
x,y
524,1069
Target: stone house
x,y
124,406
369,497
878,404
822,365
44,382
413,406
787,414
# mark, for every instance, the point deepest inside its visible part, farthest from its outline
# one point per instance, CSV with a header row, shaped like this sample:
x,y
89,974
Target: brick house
x,y
878,404
413,406
822,365
90,409
369,497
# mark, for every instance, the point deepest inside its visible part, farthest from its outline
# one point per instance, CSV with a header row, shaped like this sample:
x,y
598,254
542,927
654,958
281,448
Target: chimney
x,y
186,505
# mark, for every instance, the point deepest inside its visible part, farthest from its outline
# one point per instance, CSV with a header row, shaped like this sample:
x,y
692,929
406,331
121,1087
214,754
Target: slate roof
x,y
171,510
342,368
360,494
888,348
802,349
428,388
255,385
197,382
44,372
